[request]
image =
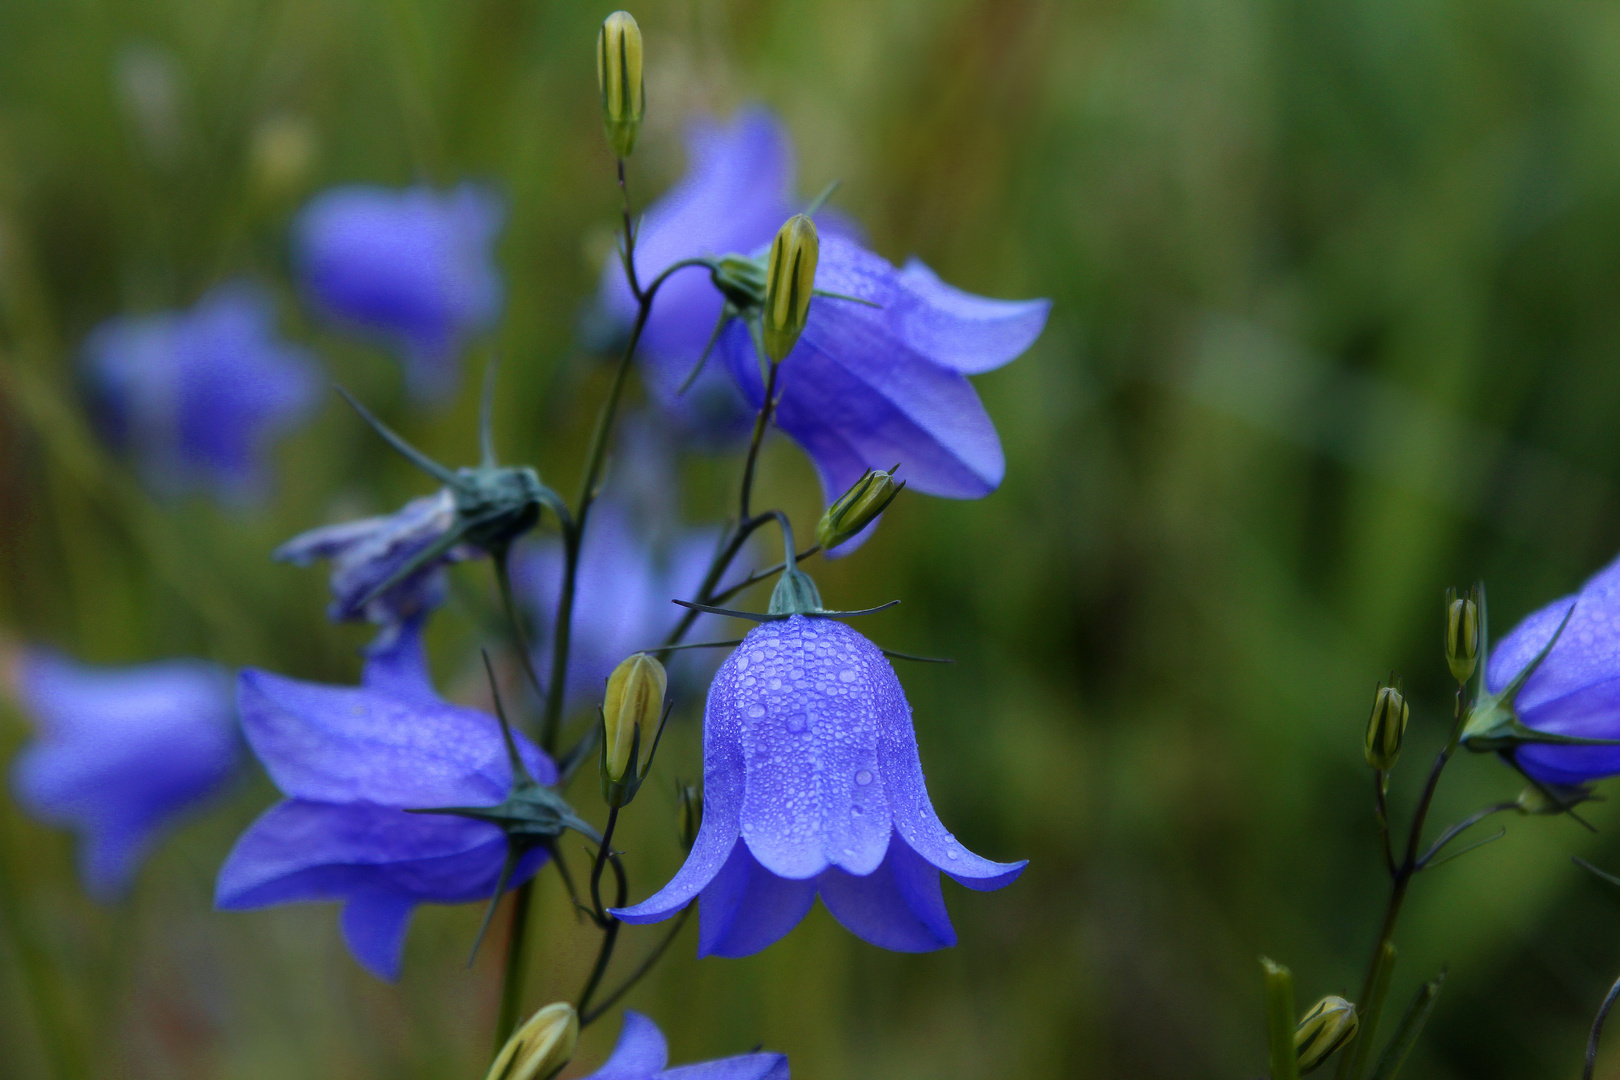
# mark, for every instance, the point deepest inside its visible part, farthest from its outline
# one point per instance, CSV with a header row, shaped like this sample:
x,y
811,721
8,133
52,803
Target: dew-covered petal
x,y
374,926
898,906
640,1052
960,330
742,1067
747,908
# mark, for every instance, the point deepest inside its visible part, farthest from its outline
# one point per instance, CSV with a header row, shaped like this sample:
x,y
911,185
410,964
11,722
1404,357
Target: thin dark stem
x,y
629,236
516,959
1461,827
761,422
602,851
587,1018
610,938
503,581
561,632
759,576
1597,1030
1381,797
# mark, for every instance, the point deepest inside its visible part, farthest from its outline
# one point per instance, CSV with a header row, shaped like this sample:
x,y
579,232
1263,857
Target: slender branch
x,y
761,422
503,581
587,1018
610,938
561,633
760,575
1597,1030
516,959
602,851
1461,827
1381,797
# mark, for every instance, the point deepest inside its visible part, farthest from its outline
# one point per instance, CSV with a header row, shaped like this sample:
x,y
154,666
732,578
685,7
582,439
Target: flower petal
x,y
742,1067
747,908
898,906
971,334
374,926
640,1051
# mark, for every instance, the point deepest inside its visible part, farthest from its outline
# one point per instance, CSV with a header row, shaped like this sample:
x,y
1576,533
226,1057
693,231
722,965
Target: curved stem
x,y
602,851
587,1018
512,981
717,569
761,575
761,422
503,580
1597,1030
610,938
561,632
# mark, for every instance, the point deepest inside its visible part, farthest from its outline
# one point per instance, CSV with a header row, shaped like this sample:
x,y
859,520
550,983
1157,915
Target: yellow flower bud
x,y
1329,1025
857,508
635,702
1386,728
789,277
618,73
541,1047
1462,635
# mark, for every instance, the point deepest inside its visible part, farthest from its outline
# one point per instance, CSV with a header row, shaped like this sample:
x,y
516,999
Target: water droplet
x,y
775,684
863,777
847,675
758,657
950,853
756,711
742,663
797,722
857,810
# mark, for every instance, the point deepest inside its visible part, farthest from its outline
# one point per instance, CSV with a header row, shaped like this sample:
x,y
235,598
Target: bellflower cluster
x,y
197,397
121,753
413,269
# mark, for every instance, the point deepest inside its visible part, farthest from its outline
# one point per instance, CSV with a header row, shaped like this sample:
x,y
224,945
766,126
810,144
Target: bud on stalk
x,y
1329,1025
857,508
618,73
631,715
789,278
1462,634
1386,728
541,1047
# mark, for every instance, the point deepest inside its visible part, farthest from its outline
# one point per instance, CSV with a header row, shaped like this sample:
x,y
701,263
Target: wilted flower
x,y
812,783
352,761
121,752
414,268
196,397
642,1054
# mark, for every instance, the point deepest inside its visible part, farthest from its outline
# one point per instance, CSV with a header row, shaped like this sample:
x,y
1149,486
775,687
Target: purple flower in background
x,y
812,783
866,386
642,1054
414,269
121,753
197,396
367,552
352,760
1576,690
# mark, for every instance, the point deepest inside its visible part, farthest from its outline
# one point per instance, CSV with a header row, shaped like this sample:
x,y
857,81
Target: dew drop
x,y
742,663
950,853
758,657
775,684
797,722
756,711
863,777
847,675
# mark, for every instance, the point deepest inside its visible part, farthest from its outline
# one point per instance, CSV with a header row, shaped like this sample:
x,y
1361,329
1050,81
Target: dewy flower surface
x,y
812,783
413,268
121,753
642,1054
196,397
352,760
1576,690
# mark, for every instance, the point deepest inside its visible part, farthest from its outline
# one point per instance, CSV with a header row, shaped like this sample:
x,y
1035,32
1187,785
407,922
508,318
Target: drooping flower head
x,y
352,761
412,268
197,397
813,784
642,1054
122,753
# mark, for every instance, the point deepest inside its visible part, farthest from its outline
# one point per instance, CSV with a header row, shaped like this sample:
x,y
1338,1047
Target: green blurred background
x,y
1335,326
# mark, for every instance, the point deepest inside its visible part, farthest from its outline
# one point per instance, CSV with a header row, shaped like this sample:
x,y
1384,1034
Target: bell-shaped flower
x,y
352,761
813,784
197,397
642,1054
1574,692
121,753
367,553
412,268
873,380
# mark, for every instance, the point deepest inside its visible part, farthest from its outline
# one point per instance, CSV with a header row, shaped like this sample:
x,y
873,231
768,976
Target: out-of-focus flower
x,y
812,783
121,753
281,154
869,383
352,761
642,1054
413,268
366,553
197,396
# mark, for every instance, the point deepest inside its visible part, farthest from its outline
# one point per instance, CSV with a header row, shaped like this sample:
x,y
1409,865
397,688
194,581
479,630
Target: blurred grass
x,y
1334,328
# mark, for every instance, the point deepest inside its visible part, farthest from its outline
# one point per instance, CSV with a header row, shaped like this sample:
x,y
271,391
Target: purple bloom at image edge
x,y
196,397
813,784
1576,690
352,761
121,753
641,1053
412,268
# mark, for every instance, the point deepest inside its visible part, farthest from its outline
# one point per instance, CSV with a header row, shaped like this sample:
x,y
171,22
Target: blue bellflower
x,y
813,784
413,269
1576,689
352,761
121,753
866,386
642,1054
197,397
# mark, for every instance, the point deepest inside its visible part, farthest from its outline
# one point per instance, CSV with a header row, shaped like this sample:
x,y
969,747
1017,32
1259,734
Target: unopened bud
x,y
618,73
541,1047
789,277
1462,635
631,712
1386,728
1329,1025
1554,798
857,508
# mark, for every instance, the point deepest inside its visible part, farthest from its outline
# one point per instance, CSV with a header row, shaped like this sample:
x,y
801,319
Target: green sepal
x,y
1406,1035
618,793
1493,721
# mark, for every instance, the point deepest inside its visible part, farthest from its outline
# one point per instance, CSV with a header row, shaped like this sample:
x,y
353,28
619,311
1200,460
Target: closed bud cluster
x,y
857,508
789,278
631,715
1329,1025
1386,728
541,1047
618,72
1462,634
